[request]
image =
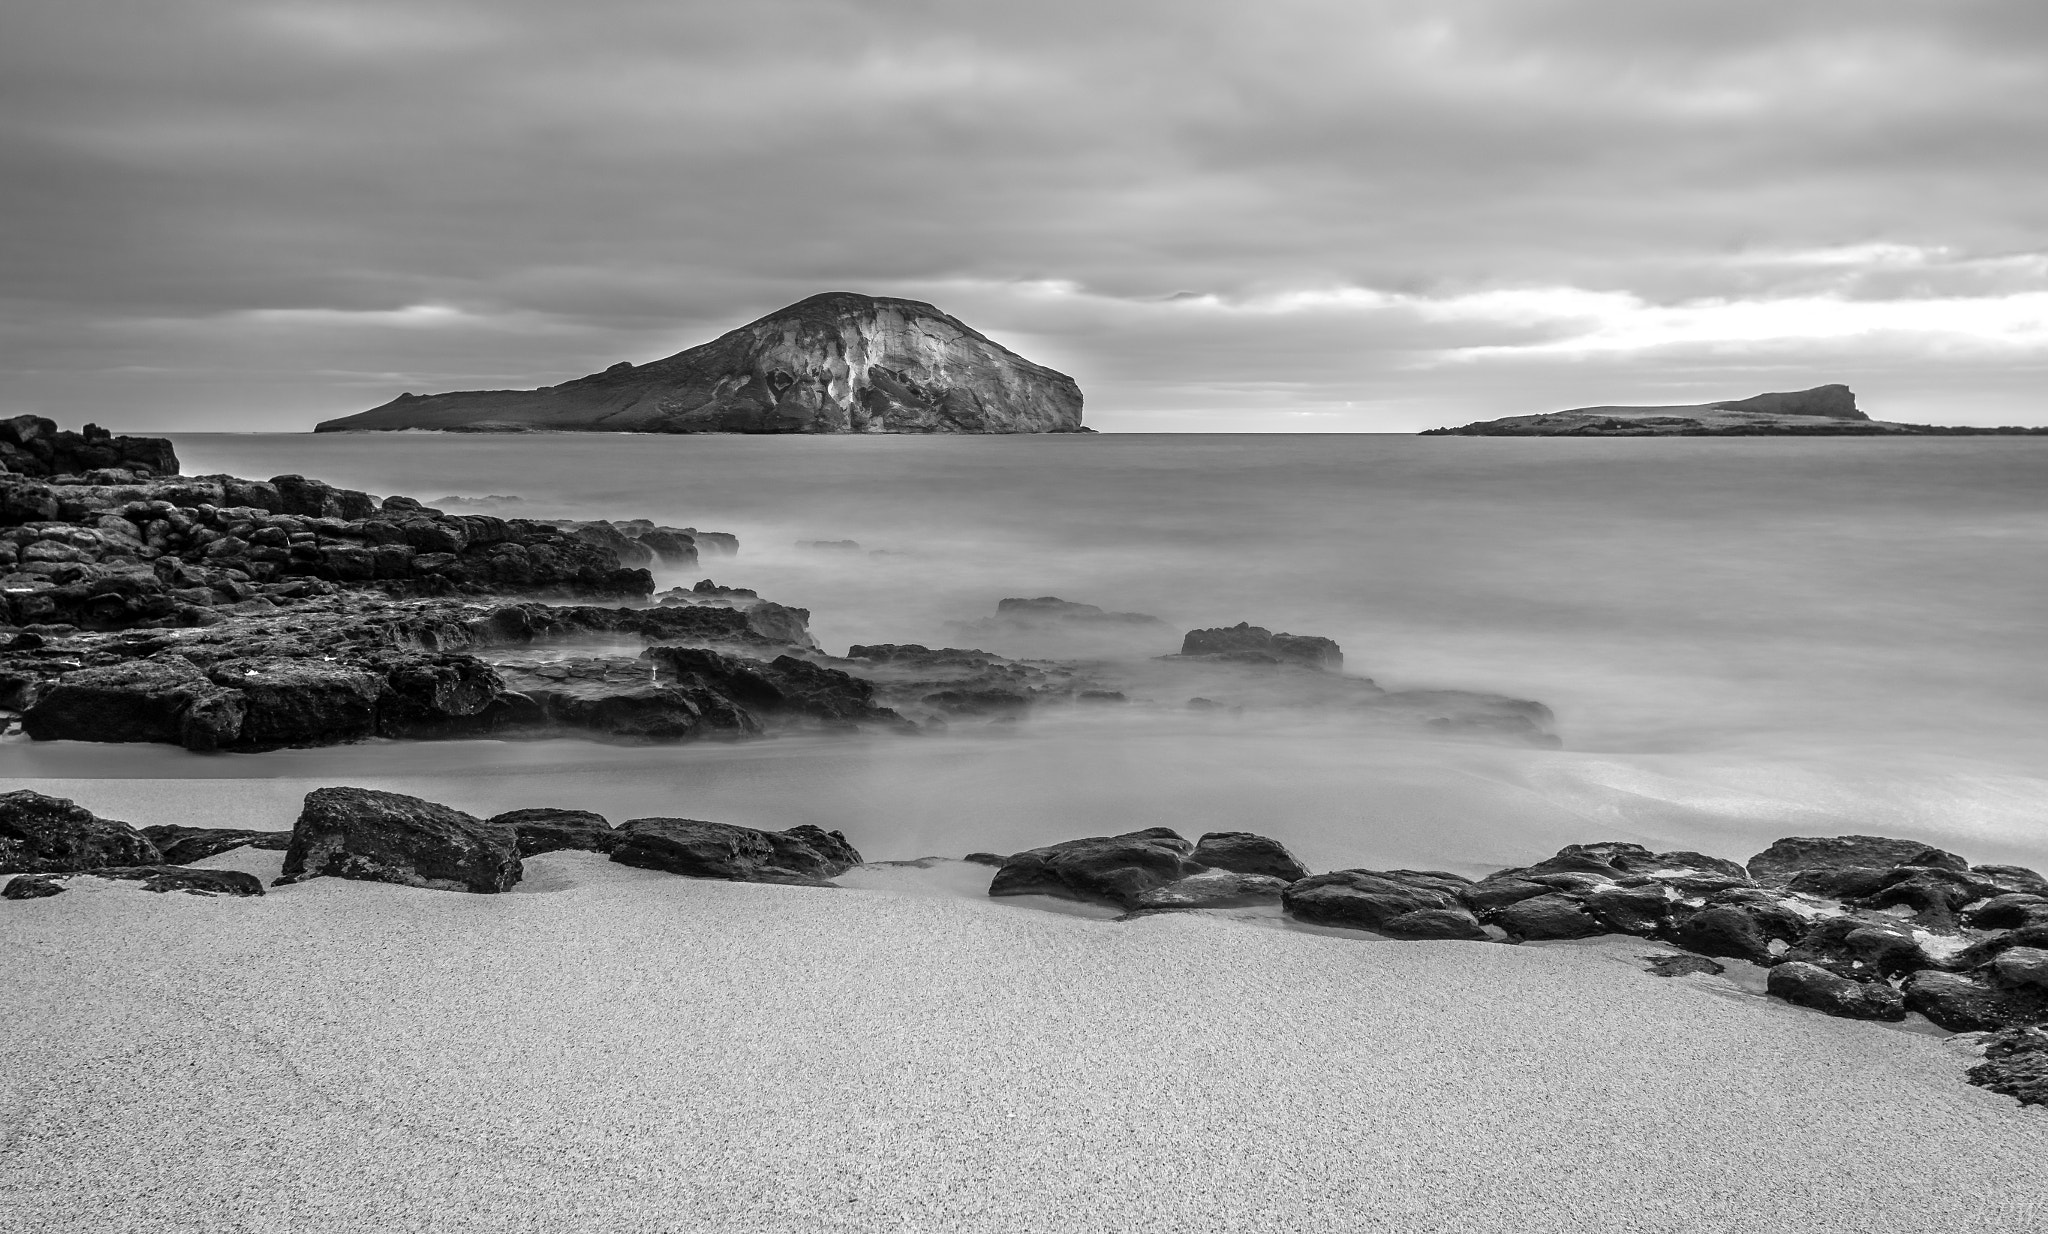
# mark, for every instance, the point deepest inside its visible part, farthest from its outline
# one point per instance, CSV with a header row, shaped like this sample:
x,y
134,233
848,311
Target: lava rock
x,y
302,702
1629,910
1100,869
1434,923
1963,1004
360,833
1809,985
1369,899
1784,858
1547,917
1680,965
2016,1064
162,878
182,846
1859,950
1722,931
1257,644
1212,889
545,830
161,699
1247,853
804,855
54,835
2006,912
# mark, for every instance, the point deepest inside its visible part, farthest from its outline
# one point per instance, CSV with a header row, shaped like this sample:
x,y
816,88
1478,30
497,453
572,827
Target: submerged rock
x,y
1212,889
360,833
1681,965
1254,644
802,854
839,362
55,835
1809,985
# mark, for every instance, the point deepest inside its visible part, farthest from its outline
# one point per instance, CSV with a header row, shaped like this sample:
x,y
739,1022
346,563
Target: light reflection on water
x,y
1742,638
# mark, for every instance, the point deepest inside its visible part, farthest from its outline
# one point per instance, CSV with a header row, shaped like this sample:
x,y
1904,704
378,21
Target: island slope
x,y
839,362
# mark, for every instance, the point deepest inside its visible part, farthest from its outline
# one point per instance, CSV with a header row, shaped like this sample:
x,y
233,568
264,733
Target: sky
x,y
1217,215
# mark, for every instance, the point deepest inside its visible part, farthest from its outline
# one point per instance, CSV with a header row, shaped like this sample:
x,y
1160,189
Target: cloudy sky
x,y
1288,215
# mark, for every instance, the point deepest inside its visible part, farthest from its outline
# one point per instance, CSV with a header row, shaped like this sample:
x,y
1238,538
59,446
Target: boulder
x,y
1246,853
182,846
2006,912
545,830
1255,644
804,854
2022,967
31,887
2011,879
1212,889
302,702
1777,864
1369,899
1495,892
1680,965
1934,893
1100,869
1434,923
1722,931
1629,910
163,699
54,835
1968,1004
1809,985
1551,916
162,878
1859,950
2016,1064
361,833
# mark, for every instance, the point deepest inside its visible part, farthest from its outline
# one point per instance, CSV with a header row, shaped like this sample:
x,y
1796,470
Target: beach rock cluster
x,y
1862,927
34,446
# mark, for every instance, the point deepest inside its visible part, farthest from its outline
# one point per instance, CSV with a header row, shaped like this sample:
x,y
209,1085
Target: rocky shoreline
x,y
1860,927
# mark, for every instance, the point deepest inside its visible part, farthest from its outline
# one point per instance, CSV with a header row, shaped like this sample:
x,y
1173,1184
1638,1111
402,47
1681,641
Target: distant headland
x,y
1824,411
839,362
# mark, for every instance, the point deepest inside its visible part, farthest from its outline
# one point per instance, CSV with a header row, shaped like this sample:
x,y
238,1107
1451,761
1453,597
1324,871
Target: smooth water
x,y
1741,638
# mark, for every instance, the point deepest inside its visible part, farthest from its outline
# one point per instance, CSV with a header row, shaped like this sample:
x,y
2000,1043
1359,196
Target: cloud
x,y
1411,208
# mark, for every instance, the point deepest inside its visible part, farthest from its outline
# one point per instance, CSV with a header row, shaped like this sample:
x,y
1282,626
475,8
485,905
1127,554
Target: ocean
x,y
1740,638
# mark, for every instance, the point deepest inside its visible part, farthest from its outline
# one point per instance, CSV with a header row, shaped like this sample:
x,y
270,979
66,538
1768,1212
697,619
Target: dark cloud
x,y
228,214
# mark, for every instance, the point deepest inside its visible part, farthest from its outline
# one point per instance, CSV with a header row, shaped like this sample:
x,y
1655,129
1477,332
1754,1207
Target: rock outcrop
x,y
380,837
55,835
803,855
839,362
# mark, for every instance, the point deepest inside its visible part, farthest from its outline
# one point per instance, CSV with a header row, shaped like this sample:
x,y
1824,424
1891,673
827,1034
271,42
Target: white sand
x,y
611,1049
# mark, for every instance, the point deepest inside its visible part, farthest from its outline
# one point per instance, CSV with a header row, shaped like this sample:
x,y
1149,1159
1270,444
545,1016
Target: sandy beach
x,y
616,1049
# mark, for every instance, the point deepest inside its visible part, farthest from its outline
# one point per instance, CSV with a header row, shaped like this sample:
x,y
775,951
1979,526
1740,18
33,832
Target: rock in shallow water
x,y
1809,985
360,833
1113,870
542,829
802,854
1212,889
1247,853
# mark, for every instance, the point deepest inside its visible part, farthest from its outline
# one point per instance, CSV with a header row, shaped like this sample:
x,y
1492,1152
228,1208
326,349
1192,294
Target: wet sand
x,y
616,1049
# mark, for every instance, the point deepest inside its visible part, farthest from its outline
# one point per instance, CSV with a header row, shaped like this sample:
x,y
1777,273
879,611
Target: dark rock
x,y
2022,968
1963,1004
2016,1064
182,846
1247,853
2013,879
1434,923
544,830
166,700
1369,899
1629,910
162,878
54,835
1100,869
1680,965
1984,951
1549,916
1859,950
1841,883
1934,894
1809,985
783,686
302,702
803,854
1254,643
361,833
1777,864
1491,894
986,859
2006,912
835,363
31,887
1772,915
1722,931
1212,889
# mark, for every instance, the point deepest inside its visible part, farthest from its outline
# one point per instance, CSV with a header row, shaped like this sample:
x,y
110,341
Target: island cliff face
x,y
839,362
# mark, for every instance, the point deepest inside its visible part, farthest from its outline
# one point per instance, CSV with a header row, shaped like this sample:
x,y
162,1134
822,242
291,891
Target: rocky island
x,y
1823,411
839,362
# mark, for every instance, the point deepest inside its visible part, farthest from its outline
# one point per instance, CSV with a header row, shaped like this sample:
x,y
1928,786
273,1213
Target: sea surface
x,y
1741,638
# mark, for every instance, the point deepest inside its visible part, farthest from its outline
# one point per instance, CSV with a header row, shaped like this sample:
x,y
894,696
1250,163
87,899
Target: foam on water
x,y
1741,638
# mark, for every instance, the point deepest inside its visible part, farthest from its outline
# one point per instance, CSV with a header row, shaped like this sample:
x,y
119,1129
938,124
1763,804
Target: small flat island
x,y
1824,411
